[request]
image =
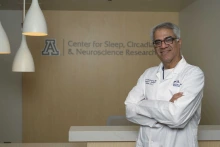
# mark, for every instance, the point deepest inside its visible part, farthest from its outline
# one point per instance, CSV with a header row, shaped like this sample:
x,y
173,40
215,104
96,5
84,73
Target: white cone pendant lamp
x,y
4,43
23,61
34,23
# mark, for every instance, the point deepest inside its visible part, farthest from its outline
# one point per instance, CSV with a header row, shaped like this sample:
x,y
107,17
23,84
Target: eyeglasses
x,y
167,41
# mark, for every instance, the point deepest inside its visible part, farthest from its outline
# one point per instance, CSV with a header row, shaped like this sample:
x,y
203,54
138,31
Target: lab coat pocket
x,y
173,90
149,91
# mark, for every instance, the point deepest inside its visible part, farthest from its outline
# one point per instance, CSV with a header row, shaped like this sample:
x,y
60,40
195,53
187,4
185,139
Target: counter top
x,y
128,133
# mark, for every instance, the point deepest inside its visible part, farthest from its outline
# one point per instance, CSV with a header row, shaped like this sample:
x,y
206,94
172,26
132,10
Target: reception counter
x,y
125,136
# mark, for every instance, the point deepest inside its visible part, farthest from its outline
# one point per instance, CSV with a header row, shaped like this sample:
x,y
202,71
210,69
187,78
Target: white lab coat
x,y
163,123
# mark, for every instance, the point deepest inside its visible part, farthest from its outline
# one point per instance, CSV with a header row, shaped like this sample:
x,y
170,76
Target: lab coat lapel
x,y
181,64
159,70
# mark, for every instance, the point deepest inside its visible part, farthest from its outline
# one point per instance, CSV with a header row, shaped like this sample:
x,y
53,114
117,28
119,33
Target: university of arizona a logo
x,y
177,83
50,48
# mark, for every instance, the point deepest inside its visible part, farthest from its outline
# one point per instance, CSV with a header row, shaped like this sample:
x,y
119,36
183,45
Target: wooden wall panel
x,y
209,143
43,144
72,90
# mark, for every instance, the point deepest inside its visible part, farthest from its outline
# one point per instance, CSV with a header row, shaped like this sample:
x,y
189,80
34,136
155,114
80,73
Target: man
x,y
166,102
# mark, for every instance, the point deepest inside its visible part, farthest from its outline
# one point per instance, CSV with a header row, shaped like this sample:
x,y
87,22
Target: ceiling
x,y
101,5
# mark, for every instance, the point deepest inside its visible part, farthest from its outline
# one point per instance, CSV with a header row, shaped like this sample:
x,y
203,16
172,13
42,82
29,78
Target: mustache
x,y
168,47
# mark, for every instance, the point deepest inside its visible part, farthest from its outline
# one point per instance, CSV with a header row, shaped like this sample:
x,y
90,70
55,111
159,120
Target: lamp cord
x,y
24,11
23,14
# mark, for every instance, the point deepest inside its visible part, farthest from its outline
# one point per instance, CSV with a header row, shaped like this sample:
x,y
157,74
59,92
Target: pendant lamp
x,y
34,23
4,43
23,61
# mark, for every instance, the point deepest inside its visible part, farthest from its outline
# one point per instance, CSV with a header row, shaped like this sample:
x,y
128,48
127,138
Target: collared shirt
x,y
163,123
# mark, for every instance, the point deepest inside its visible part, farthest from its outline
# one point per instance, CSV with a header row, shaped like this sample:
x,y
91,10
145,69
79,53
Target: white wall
x,y
200,25
10,83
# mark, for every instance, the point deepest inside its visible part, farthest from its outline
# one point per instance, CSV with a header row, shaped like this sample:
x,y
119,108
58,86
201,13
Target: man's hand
x,y
176,96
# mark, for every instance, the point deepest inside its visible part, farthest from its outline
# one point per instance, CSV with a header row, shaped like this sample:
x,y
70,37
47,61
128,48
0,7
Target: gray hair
x,y
167,25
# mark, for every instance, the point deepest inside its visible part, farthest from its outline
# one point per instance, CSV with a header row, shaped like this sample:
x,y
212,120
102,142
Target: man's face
x,y
168,53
